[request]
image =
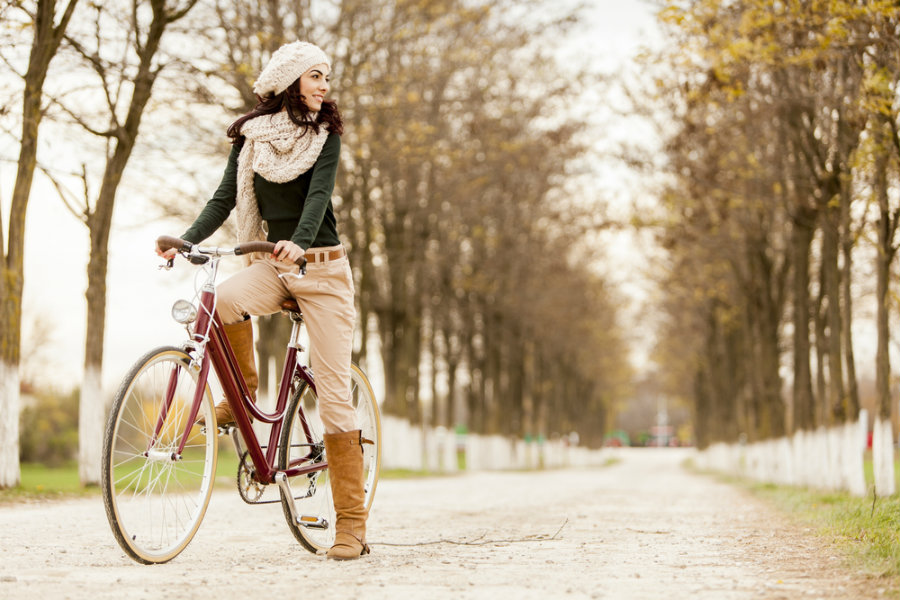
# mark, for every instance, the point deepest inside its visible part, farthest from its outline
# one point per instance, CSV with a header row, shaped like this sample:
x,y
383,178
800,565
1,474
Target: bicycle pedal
x,y
312,522
226,429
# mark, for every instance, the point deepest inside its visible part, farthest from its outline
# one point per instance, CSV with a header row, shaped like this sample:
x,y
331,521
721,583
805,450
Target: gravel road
x,y
642,527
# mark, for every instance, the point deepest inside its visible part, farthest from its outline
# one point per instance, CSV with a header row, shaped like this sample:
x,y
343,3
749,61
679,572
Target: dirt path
x,y
641,528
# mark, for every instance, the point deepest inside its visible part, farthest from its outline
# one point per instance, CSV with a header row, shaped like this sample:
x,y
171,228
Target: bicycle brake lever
x,y
297,275
168,264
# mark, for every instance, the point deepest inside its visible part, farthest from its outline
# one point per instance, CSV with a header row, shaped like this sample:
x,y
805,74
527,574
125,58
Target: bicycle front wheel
x,y
302,443
155,500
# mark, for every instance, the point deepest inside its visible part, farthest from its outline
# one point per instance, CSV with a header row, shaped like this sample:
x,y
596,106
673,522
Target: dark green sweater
x,y
299,210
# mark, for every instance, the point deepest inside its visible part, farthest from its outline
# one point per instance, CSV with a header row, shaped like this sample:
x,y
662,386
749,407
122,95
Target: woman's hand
x,y
288,252
168,254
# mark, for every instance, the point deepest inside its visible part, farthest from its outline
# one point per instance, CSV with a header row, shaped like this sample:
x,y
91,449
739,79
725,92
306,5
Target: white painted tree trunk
x,y
808,457
9,425
819,477
91,426
786,473
833,452
852,453
798,464
883,458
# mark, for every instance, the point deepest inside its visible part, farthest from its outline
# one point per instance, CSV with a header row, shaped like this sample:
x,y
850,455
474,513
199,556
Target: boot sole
x,y
365,550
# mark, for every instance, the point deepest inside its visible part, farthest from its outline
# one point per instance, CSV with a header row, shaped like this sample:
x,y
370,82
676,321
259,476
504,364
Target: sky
x,y
140,295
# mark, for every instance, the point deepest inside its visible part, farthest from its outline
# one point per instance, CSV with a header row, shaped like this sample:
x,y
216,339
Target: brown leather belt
x,y
321,257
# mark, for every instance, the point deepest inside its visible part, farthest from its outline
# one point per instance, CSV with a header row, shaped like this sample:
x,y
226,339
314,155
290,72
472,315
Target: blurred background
x,y
581,223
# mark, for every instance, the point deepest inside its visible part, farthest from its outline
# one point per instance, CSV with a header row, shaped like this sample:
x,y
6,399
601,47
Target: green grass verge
x,y
867,529
39,482
869,471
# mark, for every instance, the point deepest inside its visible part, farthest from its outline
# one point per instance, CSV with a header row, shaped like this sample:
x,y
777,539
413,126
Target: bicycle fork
x,y
177,370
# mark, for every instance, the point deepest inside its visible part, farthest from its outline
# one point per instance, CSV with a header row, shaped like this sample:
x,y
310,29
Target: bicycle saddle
x,y
290,305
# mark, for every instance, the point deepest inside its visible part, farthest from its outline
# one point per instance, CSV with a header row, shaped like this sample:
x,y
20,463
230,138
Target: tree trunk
x,y
852,399
832,286
804,405
412,357
821,355
882,439
273,334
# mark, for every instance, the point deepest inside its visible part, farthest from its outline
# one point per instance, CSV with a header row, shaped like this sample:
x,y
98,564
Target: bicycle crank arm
x,y
282,481
310,521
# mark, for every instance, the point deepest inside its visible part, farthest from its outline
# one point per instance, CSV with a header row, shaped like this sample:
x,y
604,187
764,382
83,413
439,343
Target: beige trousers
x,y
325,296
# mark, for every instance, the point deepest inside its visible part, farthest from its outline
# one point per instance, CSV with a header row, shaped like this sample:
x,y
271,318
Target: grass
x,y
869,471
867,529
39,482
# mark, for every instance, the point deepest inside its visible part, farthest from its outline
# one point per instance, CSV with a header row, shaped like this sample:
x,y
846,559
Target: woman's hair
x,y
292,100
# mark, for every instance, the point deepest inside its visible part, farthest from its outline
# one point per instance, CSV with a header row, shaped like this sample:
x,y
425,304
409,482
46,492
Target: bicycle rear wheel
x,y
312,492
155,502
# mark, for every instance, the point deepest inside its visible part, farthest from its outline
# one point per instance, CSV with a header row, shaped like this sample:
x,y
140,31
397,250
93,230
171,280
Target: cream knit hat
x,y
287,64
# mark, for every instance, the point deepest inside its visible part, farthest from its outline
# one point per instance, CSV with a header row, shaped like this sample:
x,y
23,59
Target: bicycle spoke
x,y
155,503
313,496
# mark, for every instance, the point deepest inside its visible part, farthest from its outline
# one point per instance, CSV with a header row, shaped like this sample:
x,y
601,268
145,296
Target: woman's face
x,y
314,86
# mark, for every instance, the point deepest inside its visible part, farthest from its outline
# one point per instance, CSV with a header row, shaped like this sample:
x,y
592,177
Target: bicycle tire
x,y
313,492
154,504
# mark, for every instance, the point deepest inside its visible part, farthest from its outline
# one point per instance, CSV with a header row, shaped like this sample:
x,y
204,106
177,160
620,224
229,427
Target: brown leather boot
x,y
240,336
344,454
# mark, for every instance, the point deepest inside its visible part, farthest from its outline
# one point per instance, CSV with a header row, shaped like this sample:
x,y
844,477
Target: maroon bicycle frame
x,y
218,352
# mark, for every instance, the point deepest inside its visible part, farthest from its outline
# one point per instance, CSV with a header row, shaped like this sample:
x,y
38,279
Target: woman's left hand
x,y
287,251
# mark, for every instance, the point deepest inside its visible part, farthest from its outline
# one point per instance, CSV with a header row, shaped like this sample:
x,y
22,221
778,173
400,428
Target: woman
x,y
280,177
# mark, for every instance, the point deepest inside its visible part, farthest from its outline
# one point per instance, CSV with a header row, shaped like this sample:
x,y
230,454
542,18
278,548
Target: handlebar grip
x,y
267,247
248,247
165,242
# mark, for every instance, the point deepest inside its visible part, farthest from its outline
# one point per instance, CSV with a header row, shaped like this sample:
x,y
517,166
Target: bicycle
x,y
159,465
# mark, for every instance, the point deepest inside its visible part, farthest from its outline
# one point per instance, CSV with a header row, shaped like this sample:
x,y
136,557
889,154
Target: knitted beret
x,y
287,64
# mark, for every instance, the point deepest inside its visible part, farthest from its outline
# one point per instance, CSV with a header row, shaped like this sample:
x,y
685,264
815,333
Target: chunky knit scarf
x,y
280,151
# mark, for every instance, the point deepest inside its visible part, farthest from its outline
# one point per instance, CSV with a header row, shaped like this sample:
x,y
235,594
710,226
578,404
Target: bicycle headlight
x,y
184,312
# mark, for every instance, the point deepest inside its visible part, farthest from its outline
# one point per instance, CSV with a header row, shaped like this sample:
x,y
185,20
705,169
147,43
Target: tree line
x,y
452,193
779,203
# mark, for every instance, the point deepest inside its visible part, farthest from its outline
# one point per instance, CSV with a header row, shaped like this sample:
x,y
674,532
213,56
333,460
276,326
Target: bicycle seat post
x,y
295,332
291,309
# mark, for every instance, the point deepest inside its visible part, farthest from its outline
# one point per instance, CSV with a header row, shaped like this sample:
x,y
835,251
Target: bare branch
x,y
109,133
100,68
10,66
65,195
178,14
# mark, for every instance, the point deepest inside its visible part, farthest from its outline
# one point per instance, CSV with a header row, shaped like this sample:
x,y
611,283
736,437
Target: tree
x,y
883,76
127,86
450,178
48,26
767,99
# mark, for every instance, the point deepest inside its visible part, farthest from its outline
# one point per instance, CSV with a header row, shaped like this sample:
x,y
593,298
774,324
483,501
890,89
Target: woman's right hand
x,y
167,254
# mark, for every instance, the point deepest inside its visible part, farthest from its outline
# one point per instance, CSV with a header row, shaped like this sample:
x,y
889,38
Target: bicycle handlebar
x,y
165,242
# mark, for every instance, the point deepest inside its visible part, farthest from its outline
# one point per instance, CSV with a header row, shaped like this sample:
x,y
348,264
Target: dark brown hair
x,y
292,100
